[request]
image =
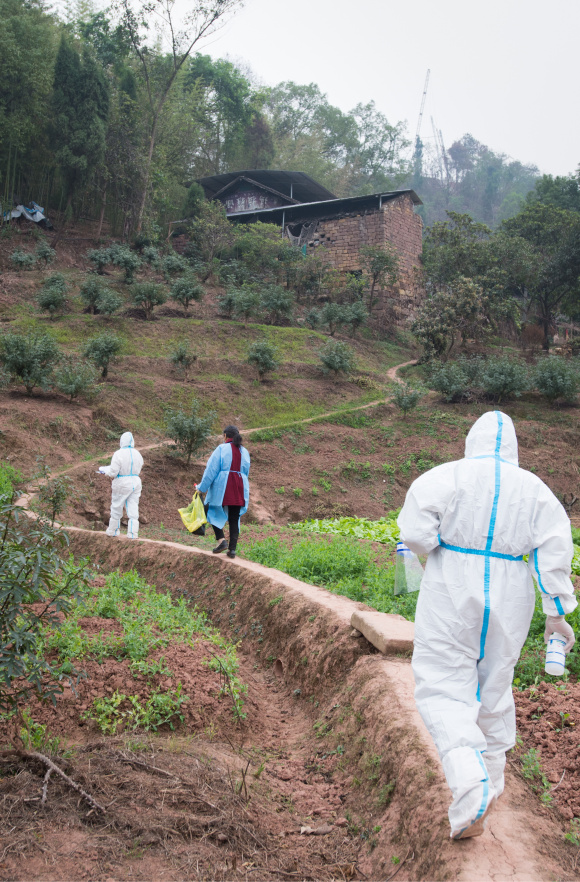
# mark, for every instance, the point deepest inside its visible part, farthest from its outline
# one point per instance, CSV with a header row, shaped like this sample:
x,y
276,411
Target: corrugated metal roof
x,y
324,208
303,187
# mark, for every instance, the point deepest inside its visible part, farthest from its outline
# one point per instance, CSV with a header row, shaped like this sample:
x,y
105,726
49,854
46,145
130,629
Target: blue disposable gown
x,y
215,479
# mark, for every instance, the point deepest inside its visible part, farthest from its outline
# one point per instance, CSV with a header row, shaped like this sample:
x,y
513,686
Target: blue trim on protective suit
x,y
556,600
492,520
483,805
494,456
478,551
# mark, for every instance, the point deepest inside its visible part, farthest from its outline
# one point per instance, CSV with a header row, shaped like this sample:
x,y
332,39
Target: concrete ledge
x,y
390,634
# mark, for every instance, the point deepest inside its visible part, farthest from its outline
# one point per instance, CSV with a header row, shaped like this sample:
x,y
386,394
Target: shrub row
x,y
499,379
99,299
35,361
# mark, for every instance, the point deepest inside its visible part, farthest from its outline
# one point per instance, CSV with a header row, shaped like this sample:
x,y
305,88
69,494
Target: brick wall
x,y
396,223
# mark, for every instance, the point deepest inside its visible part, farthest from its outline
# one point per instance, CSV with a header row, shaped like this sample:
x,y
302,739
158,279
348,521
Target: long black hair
x,y
234,433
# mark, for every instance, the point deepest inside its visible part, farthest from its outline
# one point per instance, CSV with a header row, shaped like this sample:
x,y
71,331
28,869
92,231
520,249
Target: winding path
x,y
510,848
391,375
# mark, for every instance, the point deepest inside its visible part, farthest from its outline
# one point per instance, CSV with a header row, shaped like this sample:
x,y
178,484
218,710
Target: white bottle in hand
x,y
555,655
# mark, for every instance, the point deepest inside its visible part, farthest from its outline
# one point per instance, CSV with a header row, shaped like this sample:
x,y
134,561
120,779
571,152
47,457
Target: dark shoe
x,y
221,547
231,554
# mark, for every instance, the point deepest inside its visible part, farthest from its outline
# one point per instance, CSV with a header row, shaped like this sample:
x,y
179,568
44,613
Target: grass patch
x,y
338,563
344,565
149,621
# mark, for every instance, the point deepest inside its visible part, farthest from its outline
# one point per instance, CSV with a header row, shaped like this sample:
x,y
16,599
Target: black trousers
x,y
233,521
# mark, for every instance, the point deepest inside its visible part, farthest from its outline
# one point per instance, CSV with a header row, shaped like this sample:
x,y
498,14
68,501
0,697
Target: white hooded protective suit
x,y
125,468
476,518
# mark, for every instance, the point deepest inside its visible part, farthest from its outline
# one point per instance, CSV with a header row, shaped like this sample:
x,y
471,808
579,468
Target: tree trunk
x,y
103,206
148,171
62,230
546,327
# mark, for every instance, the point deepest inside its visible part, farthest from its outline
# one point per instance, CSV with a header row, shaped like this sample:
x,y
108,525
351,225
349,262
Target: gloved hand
x,y
559,625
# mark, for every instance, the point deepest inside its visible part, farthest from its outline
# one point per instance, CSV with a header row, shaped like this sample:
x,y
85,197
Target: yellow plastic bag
x,y
193,516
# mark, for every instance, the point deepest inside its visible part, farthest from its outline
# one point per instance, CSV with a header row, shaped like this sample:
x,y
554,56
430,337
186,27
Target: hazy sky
x,y
506,71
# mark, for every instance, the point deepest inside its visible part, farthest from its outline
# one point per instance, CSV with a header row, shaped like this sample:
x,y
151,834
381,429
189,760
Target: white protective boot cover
x,y
495,765
473,792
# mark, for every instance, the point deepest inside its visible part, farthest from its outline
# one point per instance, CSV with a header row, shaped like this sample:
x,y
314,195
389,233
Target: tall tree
x,y
454,248
562,192
552,267
80,105
224,112
138,18
28,43
351,153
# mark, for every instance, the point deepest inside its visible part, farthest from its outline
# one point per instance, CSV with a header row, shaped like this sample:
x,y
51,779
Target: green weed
x,y
573,835
227,665
151,668
358,471
338,563
36,736
127,712
532,772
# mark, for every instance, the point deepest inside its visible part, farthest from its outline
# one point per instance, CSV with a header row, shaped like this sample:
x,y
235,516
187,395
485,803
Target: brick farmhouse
x,y
312,217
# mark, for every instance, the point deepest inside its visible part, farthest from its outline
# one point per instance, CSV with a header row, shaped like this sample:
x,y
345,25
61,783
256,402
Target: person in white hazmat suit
x,y
476,518
125,469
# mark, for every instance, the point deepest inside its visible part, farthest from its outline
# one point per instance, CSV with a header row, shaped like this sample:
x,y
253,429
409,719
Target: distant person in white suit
x,y
125,469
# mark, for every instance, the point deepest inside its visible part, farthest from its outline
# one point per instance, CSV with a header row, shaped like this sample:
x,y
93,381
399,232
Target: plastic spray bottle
x,y
555,655
408,570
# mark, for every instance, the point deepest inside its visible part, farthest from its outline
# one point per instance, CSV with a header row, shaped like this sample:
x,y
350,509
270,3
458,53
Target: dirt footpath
x,y
361,709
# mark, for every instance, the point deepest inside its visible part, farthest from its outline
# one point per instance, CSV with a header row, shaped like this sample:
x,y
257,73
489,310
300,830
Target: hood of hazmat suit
x,y
476,518
125,469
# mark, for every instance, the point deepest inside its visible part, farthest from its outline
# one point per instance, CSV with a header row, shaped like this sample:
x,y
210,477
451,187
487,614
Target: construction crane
x,y
418,132
442,159
437,148
418,152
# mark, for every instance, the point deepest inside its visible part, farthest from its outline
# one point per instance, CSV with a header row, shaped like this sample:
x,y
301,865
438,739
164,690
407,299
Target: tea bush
x,y
148,295
29,359
264,356
102,350
23,259
186,290
338,357
74,377
405,397
38,587
504,378
52,295
182,358
555,377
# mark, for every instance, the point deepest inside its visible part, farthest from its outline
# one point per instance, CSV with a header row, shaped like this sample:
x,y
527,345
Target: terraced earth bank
x,y
218,798
330,741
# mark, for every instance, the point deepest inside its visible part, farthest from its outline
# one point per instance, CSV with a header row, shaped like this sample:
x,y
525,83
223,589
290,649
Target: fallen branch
x,y
52,767
555,787
392,876
45,786
133,761
141,764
